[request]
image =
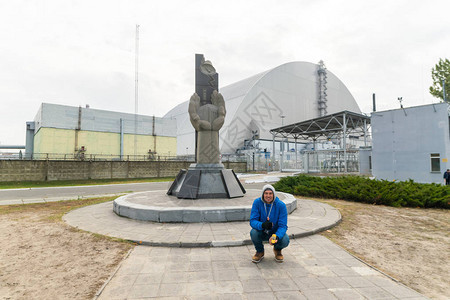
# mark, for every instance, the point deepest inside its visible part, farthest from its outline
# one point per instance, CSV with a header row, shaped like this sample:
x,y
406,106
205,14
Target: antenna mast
x,y
136,89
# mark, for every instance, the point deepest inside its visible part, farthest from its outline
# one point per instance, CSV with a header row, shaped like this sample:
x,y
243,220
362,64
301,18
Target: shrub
x,y
360,189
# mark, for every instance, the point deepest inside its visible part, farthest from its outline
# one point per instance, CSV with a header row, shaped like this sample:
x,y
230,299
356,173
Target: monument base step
x,y
157,206
206,181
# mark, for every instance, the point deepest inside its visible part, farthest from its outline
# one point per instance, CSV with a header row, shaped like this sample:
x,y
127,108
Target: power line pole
x,y
136,89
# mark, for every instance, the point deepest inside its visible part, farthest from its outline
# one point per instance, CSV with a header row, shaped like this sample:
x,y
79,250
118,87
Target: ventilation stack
x,y
322,72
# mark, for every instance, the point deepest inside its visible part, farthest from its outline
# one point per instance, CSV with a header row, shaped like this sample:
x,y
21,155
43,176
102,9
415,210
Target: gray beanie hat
x,y
268,187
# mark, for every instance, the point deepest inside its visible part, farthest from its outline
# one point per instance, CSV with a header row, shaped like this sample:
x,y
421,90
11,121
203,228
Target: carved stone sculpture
x,y
207,120
207,178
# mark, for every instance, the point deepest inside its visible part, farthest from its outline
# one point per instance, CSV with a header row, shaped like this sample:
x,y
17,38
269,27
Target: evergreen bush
x,y
361,189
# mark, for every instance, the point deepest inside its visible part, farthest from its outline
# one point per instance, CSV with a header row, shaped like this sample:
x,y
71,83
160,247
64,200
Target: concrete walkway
x,y
314,268
196,260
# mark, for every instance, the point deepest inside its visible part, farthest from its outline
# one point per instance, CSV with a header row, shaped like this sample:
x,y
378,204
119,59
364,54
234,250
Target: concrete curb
x,y
308,219
231,243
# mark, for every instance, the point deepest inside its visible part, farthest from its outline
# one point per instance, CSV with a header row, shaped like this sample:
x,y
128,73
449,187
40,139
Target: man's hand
x,y
267,225
273,239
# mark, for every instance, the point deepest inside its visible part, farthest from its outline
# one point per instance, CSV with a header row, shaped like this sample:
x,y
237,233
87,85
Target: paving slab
x,y
228,273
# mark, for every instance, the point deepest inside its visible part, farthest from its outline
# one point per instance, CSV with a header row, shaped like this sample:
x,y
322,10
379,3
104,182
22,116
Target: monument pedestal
x,y
203,181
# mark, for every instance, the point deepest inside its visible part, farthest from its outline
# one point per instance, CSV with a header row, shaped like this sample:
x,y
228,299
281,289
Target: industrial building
x,y
411,143
67,132
287,94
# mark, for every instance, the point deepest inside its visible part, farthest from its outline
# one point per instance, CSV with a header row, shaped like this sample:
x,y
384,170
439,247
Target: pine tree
x,y
440,73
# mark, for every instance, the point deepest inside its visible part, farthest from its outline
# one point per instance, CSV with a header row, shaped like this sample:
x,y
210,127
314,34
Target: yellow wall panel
x,y
62,141
164,146
99,142
52,140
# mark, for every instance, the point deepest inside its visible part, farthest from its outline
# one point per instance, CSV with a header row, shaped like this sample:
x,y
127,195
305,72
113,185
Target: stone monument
x,y
207,178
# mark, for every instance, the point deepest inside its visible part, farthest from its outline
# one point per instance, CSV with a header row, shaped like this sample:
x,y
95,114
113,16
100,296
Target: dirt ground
x,y
42,258
410,244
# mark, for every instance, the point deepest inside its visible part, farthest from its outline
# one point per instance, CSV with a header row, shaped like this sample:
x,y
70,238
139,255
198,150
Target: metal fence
x,y
96,157
335,161
108,157
321,161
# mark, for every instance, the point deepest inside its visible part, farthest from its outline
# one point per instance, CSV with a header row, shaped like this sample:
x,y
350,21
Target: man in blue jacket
x,y
268,220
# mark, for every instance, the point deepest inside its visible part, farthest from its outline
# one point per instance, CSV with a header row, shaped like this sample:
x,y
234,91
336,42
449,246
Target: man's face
x,y
268,196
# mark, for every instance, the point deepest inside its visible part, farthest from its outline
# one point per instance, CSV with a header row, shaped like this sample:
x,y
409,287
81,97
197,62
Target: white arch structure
x,y
290,91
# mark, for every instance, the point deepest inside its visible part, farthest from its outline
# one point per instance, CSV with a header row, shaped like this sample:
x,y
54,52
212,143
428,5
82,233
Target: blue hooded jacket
x,y
278,214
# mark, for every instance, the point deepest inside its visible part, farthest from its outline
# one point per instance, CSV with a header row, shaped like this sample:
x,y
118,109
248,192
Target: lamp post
x,y
282,145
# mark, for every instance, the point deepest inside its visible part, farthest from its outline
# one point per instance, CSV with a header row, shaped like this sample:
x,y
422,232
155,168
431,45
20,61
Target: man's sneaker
x,y
278,256
257,257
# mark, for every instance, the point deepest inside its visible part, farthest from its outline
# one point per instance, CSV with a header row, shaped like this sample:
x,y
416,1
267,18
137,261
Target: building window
x,y
435,162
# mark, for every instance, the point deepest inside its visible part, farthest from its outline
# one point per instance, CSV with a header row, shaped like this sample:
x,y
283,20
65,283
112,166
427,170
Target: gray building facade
x,y
411,143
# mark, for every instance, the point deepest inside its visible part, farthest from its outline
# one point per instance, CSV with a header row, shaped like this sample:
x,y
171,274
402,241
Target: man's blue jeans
x,y
258,236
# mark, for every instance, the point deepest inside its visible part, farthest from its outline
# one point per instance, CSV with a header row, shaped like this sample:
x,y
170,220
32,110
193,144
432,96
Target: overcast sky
x,y
83,52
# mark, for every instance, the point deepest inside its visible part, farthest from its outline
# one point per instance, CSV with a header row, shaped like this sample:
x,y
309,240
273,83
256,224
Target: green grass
x,y
36,184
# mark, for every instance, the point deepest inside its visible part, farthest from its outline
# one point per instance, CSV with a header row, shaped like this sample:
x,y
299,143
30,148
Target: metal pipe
x,y
365,133
77,130
373,102
296,153
12,147
154,134
121,139
273,150
281,153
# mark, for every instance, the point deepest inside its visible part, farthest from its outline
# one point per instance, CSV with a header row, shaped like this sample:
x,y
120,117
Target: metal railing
x,y
111,157
97,157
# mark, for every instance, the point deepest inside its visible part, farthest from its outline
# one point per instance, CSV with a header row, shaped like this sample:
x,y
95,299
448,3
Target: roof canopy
x,y
327,126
